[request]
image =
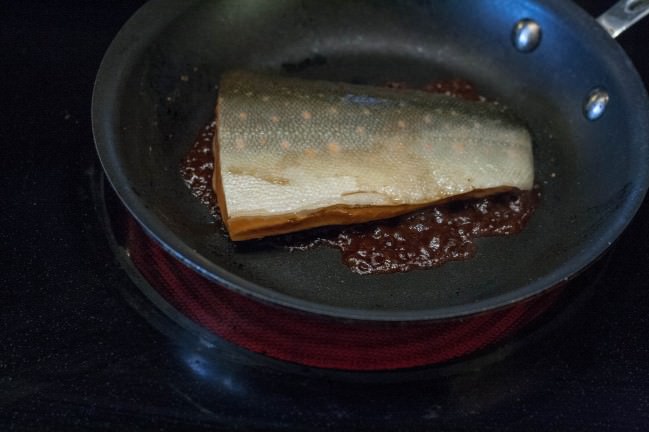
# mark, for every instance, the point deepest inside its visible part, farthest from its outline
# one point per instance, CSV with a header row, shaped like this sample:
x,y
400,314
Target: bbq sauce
x,y
423,239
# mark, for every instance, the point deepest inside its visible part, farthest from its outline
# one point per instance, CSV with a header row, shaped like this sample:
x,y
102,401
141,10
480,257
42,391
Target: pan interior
x,y
158,87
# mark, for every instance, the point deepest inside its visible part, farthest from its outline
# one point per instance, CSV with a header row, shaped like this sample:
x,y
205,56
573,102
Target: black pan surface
x,y
157,86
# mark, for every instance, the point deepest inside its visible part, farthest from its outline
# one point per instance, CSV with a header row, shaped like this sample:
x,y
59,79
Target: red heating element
x,y
317,341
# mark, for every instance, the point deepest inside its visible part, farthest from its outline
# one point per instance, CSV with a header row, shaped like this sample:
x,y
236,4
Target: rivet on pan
x,y
595,104
526,35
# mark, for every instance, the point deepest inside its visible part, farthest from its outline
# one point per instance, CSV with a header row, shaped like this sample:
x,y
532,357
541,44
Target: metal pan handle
x,y
623,15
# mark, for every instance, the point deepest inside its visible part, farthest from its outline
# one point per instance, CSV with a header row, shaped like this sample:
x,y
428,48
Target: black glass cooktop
x,y
83,348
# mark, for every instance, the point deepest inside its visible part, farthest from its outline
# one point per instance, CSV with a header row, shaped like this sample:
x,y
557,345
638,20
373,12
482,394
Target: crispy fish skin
x,y
292,154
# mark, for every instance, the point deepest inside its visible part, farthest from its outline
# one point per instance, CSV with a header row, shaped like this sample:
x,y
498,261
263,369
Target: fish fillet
x,y
292,154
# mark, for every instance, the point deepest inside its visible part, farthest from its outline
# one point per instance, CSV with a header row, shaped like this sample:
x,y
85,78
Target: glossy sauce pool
x,y
426,238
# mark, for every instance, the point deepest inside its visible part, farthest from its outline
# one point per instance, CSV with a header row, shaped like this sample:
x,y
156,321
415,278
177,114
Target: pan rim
x,y
105,91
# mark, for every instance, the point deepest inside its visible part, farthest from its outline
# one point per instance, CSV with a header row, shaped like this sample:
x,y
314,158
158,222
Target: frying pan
x,y
548,60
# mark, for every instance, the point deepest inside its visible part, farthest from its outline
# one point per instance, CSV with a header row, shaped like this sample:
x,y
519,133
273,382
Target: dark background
x,y
76,352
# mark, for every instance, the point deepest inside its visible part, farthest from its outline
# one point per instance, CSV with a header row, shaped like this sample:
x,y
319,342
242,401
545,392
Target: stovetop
x,y
83,348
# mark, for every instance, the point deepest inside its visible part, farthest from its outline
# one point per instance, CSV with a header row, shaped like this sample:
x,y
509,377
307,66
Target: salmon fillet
x,y
292,154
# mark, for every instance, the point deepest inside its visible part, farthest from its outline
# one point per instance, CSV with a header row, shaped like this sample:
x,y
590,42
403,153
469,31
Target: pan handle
x,y
623,15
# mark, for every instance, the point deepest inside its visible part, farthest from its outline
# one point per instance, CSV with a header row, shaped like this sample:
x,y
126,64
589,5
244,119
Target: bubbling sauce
x,y
426,238
423,239
197,168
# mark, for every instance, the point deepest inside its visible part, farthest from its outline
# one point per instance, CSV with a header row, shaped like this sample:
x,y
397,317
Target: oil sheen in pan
x,y
423,239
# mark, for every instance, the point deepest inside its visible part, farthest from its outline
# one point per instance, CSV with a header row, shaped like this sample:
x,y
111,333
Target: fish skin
x,y
288,146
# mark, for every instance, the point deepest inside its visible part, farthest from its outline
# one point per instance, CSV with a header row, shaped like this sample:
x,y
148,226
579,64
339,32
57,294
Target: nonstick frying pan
x,y
555,65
